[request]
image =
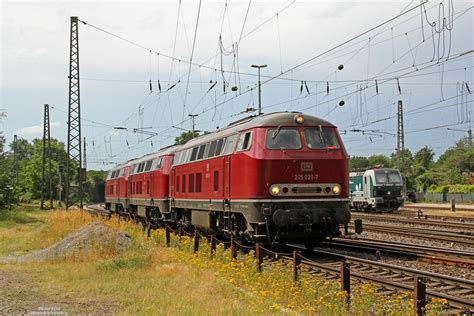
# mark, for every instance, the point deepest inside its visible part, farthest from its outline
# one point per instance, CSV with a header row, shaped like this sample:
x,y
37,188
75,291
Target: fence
x,y
297,259
446,197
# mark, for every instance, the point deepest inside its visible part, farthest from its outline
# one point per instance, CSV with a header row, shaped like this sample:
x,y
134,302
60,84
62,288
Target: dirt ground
x,y
20,296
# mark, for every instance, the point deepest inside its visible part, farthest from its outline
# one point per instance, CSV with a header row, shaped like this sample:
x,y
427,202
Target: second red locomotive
x,y
276,177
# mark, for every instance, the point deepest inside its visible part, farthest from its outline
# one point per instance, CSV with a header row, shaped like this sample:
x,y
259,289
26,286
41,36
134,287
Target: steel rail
x,y
359,265
422,233
427,253
416,221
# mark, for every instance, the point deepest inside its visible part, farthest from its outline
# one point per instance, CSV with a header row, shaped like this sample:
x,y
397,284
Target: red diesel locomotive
x,y
275,177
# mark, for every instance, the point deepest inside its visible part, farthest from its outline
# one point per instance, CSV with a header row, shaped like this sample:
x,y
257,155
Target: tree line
x,y
21,172
422,173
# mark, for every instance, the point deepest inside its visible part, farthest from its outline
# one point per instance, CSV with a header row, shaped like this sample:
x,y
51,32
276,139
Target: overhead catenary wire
x,y
294,78
191,58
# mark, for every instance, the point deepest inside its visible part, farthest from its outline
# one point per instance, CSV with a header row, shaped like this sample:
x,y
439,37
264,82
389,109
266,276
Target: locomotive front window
x,y
283,138
321,138
387,178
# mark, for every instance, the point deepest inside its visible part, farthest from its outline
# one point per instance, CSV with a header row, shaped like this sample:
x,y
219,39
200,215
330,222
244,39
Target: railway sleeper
x,y
466,292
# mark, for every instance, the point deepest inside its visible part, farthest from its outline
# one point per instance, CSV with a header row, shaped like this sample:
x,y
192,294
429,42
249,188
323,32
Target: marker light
x,y
336,189
299,119
275,190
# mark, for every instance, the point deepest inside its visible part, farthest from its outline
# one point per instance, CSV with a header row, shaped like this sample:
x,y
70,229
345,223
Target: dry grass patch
x,y
148,278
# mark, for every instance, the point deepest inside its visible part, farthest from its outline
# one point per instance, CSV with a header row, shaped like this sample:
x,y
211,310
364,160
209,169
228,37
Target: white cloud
x,y
31,53
35,129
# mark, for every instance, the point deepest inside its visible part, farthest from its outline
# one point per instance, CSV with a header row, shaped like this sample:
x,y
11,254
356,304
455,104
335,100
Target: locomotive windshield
x,y
321,137
384,177
283,138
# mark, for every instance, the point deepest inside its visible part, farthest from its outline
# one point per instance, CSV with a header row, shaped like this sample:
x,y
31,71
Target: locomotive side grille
x,y
305,190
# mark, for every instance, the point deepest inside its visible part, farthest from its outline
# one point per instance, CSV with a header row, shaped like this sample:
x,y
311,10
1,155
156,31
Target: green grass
x,y
18,228
148,278
120,263
20,215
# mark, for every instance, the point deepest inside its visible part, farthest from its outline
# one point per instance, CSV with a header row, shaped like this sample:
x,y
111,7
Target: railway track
x,y
459,238
440,207
459,223
390,278
424,253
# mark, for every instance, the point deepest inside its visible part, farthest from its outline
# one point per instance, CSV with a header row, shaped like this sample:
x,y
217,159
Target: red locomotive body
x,y
147,189
274,177
116,188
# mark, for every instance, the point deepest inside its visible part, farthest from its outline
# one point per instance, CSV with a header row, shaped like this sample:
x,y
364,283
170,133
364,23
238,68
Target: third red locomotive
x,y
275,177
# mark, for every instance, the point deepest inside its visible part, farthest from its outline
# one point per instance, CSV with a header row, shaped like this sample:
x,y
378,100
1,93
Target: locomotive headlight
x,y
299,119
274,190
336,189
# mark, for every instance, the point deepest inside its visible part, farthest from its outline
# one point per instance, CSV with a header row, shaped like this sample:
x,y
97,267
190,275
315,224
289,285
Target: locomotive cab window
x,y
321,138
148,165
159,164
200,155
230,144
212,149
194,154
245,141
283,138
176,159
383,177
219,146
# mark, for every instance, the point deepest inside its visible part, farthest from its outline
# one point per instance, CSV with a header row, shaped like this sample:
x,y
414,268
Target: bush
x,y
452,188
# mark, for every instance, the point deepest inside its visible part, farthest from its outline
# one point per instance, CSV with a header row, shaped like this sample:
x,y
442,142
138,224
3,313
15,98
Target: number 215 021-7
x,y
306,177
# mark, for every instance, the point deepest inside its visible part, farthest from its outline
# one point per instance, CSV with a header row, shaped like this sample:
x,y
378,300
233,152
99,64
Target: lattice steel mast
x,y
74,145
401,143
46,183
400,132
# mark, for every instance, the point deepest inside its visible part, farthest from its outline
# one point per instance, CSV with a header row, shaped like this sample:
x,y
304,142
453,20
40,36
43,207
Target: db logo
x,y
306,166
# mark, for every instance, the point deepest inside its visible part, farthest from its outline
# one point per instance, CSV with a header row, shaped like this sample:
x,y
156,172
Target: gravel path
x,y
21,296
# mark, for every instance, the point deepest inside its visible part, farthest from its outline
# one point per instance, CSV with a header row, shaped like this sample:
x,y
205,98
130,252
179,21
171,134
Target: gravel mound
x,y
94,236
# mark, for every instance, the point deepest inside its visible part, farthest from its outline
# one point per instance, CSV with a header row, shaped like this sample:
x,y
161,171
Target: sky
x,y
423,57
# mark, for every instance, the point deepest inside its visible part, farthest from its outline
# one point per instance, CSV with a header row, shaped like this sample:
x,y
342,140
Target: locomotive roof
x,y
264,120
161,152
355,173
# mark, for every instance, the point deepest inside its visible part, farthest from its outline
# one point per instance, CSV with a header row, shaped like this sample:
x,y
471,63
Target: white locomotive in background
x,y
377,189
